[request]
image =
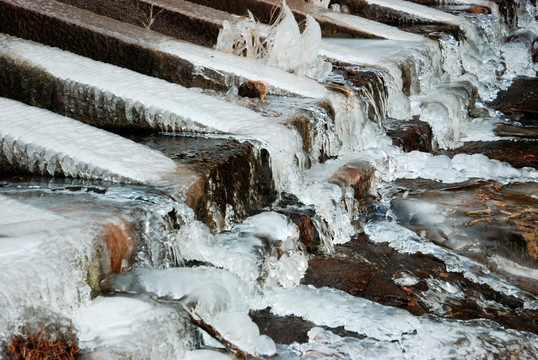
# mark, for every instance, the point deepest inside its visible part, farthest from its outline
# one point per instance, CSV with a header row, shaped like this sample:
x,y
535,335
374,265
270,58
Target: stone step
x,y
505,8
115,97
139,97
333,24
199,17
145,51
237,179
40,142
180,19
395,12
207,21
35,141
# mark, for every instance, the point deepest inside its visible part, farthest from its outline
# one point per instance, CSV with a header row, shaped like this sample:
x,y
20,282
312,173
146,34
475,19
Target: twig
x,y
198,321
150,19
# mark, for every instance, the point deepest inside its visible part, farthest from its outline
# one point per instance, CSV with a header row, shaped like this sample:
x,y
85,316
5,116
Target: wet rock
x,y
364,269
121,244
411,135
367,84
484,220
374,272
358,175
477,10
289,329
520,101
253,89
301,215
308,234
517,153
528,132
236,179
282,329
340,273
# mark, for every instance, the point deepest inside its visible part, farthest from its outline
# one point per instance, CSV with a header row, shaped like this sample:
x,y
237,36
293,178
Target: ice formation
x,y
283,46
214,295
29,279
35,139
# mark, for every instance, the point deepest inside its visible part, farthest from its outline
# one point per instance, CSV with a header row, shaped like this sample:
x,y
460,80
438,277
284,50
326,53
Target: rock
x,y
253,89
121,244
517,153
359,175
282,329
528,132
289,329
411,135
520,101
374,270
233,175
477,10
491,223
308,234
301,215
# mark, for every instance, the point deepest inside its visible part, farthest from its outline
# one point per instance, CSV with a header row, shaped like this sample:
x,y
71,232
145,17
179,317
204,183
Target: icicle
x,y
284,46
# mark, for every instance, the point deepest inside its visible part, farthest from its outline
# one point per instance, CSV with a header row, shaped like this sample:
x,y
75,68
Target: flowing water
x,y
71,195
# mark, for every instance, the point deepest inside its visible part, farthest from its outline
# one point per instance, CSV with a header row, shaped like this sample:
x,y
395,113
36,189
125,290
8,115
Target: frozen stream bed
x,y
398,192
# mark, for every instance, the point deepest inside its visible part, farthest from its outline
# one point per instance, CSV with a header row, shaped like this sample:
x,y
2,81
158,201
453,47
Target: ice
x,y
134,210
265,346
320,3
239,329
208,291
369,26
193,110
404,278
206,355
45,261
34,137
392,332
128,327
419,11
263,248
461,167
282,45
217,296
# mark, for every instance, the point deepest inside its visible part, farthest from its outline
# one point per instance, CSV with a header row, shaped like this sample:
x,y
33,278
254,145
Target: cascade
x,y
363,203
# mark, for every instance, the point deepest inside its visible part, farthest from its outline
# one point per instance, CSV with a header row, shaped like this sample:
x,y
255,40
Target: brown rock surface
x,y
369,270
121,245
253,89
411,135
359,175
491,223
